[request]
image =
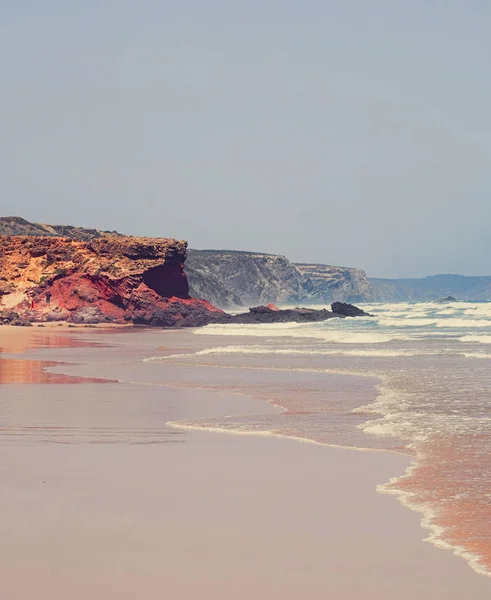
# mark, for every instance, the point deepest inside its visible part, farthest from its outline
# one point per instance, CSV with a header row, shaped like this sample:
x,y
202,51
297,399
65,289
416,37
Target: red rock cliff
x,y
108,279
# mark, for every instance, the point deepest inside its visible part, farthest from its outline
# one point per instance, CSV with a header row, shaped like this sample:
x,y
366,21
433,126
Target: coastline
x,y
257,496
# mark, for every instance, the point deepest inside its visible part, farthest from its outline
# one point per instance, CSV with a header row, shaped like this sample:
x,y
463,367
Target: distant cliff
x,y
431,288
327,284
233,278
227,278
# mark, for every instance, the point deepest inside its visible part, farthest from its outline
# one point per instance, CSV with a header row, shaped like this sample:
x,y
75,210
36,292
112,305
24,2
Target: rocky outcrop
x,y
348,310
109,278
446,300
271,314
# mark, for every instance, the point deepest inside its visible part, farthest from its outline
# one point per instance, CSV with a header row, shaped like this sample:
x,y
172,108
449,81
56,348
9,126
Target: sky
x,y
345,132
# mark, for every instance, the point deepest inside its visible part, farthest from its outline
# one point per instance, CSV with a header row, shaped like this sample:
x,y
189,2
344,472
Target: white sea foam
x,y
479,339
475,355
434,321
463,323
406,322
479,310
264,433
293,351
325,333
306,352
436,535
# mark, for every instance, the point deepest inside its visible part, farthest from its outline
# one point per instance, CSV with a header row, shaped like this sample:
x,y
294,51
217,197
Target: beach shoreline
x,y
274,517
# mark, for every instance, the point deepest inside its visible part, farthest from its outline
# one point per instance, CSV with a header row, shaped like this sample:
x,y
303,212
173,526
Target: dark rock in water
x,y
348,310
447,299
263,314
266,314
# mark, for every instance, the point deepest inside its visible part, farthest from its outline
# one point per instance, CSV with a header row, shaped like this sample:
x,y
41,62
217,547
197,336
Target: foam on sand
x,y
297,330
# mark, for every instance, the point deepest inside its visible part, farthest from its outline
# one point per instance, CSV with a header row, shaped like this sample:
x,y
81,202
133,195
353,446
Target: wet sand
x,y
101,499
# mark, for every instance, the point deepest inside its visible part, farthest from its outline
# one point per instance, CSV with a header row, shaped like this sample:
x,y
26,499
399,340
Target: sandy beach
x,y
101,498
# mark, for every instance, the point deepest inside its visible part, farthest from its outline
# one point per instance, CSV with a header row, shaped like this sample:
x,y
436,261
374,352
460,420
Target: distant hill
x,y
432,288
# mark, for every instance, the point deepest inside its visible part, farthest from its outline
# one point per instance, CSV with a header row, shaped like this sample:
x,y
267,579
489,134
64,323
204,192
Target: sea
x,y
413,379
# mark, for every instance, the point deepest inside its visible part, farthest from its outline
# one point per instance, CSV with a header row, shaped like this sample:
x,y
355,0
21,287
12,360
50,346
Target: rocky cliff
x,y
230,278
326,284
110,278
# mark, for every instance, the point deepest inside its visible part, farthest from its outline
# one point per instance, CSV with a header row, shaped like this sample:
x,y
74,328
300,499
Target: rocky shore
x,y
108,279
86,276
272,314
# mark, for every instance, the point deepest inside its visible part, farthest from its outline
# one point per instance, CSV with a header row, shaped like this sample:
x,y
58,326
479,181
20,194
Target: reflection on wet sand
x,y
19,346
34,371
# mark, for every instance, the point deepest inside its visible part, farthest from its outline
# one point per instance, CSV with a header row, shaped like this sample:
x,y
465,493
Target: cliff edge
x,y
229,278
235,278
327,283
109,278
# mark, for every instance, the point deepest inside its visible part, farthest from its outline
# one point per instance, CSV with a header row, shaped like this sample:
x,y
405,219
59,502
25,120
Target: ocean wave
x,y
463,323
434,321
265,350
234,429
300,330
408,409
478,309
308,352
436,535
479,339
406,322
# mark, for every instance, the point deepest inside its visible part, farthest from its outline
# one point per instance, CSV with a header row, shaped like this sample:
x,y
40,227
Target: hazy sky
x,y
349,132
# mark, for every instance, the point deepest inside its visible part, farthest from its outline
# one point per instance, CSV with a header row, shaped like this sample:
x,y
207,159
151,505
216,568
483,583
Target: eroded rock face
x,y
326,283
232,278
110,278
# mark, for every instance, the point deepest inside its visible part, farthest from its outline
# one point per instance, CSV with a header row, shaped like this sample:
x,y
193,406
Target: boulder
x,y
348,310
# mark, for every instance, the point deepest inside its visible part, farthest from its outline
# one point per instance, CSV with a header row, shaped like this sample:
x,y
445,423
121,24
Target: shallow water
x,y
430,365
